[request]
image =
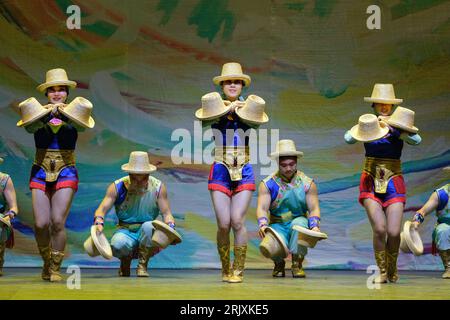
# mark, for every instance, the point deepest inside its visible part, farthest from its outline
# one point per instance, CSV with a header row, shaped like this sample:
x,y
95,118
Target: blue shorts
x,y
219,179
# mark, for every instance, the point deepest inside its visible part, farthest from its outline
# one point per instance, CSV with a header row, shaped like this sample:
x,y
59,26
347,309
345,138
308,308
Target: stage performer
x,y
54,177
138,199
231,180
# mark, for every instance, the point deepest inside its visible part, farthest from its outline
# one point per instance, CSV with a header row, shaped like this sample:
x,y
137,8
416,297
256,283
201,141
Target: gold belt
x,y
284,217
234,159
53,161
382,171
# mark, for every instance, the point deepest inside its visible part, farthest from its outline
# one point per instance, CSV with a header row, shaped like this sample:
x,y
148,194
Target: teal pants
x,y
290,236
441,236
125,241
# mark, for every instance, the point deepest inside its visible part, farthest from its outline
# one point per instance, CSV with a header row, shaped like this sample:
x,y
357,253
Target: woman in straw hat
x,y
8,210
54,177
382,188
439,202
231,179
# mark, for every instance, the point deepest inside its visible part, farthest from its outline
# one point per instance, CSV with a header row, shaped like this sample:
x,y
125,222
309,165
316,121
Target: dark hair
x,y
65,87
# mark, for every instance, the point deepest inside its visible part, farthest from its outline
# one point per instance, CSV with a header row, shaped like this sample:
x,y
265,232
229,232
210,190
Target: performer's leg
x,y
222,208
122,245
41,212
298,252
377,220
394,213
239,205
146,248
443,245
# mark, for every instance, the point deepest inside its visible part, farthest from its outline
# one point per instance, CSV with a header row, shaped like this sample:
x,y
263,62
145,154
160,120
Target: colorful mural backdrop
x,y
146,64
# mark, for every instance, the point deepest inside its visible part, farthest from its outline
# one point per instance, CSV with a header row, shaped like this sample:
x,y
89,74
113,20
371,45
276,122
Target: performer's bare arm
x,y
164,207
430,206
263,208
312,201
10,196
105,205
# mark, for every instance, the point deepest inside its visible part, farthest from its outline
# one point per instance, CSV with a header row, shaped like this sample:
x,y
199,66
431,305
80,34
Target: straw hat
x,y
212,107
285,148
1,160
253,110
231,71
308,238
79,111
164,235
273,246
369,128
410,240
403,118
383,93
5,221
56,77
97,244
446,169
138,163
30,111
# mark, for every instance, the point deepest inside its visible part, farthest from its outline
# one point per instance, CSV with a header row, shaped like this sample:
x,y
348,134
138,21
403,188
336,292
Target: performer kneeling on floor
x,y
138,199
291,199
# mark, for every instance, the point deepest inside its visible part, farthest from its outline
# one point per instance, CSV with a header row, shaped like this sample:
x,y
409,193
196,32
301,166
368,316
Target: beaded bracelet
x,y
263,221
419,217
313,222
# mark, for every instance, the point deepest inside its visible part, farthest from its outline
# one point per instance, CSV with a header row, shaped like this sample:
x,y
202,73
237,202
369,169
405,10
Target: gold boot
x,y
278,270
125,265
297,266
46,257
144,254
238,264
445,256
224,254
55,266
2,257
380,258
391,259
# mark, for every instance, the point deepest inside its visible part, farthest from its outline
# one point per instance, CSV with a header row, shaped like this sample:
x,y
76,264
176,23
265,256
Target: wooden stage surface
x,y
205,284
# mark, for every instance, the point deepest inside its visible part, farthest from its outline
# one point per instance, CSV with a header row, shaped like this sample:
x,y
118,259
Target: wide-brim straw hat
x,y
56,77
232,71
98,244
5,221
79,111
410,241
30,111
369,128
285,148
308,238
383,93
272,245
403,118
212,107
138,163
253,110
446,169
164,235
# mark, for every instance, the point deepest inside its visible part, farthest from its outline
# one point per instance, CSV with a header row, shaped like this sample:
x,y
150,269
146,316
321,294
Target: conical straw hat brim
x,y
279,239
34,118
6,222
378,135
90,247
101,243
69,83
311,233
381,100
276,155
127,168
247,80
412,129
168,230
89,124
263,119
199,114
415,245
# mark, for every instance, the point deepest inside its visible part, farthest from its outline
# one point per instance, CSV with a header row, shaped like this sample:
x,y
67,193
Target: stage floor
x,y
25,283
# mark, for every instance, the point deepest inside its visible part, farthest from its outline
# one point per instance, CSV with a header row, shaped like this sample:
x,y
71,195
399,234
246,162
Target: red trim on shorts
x,y
394,200
37,185
245,186
67,184
59,185
219,187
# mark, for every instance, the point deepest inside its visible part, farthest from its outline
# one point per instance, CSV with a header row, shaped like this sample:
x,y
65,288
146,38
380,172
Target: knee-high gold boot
x,y
55,266
46,257
445,256
380,258
144,254
238,264
392,273
297,266
2,257
224,254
